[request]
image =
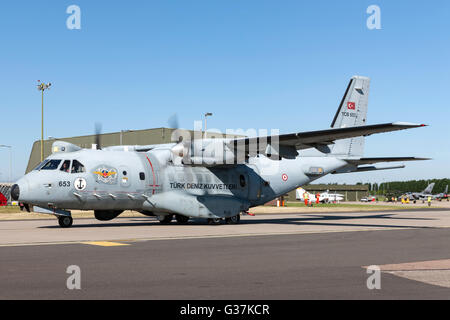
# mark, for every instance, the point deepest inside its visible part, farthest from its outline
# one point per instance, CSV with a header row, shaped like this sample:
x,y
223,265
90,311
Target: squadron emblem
x,y
106,175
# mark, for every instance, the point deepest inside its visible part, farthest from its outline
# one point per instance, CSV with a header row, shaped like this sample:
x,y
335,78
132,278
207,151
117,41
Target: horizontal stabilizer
x,y
361,161
365,169
354,165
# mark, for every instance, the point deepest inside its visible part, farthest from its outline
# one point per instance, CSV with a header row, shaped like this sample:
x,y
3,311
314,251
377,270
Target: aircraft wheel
x,y
166,219
181,219
65,221
214,221
233,220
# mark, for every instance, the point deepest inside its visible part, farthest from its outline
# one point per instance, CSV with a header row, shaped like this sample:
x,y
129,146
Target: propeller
x,y
177,134
98,132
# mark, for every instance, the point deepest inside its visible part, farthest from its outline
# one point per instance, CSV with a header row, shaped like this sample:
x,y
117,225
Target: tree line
x,y
407,186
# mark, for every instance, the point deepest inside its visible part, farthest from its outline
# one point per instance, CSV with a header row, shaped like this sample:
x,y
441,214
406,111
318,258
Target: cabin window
x,y
65,166
77,167
40,165
142,175
51,165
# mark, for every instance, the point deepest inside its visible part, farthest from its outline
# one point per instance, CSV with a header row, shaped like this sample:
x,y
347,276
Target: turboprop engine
x,y
205,152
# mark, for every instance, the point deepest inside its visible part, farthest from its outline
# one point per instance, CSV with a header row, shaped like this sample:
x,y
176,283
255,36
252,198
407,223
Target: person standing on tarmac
x,y
429,201
306,198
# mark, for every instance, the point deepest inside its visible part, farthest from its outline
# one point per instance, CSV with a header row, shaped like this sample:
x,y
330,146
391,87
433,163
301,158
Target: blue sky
x,y
254,64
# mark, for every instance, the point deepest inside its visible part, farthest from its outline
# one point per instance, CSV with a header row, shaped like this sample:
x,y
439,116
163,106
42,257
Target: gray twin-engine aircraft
x,y
216,179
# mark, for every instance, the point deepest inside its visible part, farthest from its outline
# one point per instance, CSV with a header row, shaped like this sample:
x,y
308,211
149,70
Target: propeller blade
x,y
98,132
173,123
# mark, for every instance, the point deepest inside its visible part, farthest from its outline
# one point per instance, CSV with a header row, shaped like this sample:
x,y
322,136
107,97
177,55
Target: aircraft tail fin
x,y
429,188
446,189
352,112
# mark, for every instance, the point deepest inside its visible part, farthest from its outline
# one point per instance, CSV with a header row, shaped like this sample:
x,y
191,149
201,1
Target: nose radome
x,y
15,192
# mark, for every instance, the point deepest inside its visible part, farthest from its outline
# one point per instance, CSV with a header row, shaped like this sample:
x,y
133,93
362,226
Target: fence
x,y
5,189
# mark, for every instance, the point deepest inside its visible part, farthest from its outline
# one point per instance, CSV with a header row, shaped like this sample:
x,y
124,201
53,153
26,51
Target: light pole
x,y
10,160
42,87
208,114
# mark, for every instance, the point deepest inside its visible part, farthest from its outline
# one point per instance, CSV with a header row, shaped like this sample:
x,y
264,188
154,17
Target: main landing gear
x,y
181,219
214,221
65,221
168,219
165,219
231,220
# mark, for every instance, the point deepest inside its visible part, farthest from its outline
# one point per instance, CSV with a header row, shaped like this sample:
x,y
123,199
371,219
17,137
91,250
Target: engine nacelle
x,y
203,152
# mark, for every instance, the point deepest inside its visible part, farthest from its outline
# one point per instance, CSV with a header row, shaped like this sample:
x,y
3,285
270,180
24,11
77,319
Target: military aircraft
x,y
216,179
442,195
324,197
427,192
331,197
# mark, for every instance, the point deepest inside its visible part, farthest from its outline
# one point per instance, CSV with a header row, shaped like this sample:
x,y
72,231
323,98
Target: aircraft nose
x,y
20,190
15,192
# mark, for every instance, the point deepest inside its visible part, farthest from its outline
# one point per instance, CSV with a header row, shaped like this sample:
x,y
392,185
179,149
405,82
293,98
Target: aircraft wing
x,y
317,139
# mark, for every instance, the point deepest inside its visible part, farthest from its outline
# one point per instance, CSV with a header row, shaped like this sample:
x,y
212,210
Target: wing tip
x,y
409,124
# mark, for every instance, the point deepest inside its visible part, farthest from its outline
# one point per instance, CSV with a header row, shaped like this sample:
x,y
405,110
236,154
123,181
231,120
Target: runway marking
x,y
105,243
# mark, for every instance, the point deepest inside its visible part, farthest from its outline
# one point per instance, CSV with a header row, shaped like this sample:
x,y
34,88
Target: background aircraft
x,y
214,179
324,197
427,192
442,195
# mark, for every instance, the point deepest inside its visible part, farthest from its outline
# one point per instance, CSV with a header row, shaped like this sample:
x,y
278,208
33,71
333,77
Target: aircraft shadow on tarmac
x,y
319,220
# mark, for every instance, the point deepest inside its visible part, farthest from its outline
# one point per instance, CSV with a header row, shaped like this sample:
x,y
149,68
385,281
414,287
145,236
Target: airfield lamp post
x,y
207,115
42,87
10,160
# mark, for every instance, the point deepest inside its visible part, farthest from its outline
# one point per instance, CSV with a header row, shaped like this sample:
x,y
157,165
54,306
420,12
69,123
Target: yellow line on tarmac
x,y
105,243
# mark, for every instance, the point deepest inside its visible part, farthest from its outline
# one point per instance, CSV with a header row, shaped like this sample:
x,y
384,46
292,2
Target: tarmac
x,y
268,256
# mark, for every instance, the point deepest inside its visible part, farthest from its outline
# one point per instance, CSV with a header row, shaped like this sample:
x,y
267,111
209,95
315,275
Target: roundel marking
x,y
80,184
284,177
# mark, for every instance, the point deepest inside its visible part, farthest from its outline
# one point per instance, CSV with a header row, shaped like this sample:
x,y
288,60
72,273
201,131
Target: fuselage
x,y
150,182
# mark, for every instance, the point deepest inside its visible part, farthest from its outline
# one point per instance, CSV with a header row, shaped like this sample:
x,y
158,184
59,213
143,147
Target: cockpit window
x,y
40,165
77,167
51,165
65,166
